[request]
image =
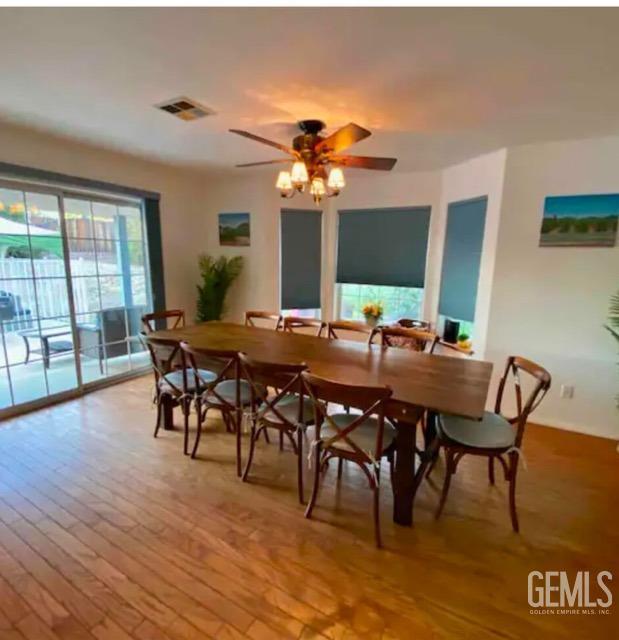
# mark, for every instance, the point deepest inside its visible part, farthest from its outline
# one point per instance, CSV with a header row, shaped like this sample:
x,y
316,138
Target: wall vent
x,y
185,108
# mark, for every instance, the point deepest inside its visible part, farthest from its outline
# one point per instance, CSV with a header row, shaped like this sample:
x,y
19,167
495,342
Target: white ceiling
x,y
435,86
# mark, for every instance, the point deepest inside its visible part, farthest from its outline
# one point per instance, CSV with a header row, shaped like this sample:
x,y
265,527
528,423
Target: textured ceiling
x,y
435,86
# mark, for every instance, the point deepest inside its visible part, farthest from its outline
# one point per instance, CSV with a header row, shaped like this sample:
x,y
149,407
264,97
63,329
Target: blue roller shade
x,y
383,246
301,258
461,258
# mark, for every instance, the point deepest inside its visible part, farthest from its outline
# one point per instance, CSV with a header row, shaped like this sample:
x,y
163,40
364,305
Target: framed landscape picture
x,y
234,229
580,221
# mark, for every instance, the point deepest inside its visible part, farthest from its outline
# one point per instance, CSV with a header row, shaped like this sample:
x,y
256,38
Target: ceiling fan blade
x,y
343,138
364,162
256,164
271,143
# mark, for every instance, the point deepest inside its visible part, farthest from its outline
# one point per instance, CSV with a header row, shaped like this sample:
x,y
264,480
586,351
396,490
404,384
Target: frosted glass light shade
x,y
284,182
336,179
299,173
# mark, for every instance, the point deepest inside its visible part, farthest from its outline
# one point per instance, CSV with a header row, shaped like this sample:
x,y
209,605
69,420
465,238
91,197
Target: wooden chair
x,y
289,412
415,339
172,389
293,322
226,391
171,319
347,325
270,316
362,439
494,436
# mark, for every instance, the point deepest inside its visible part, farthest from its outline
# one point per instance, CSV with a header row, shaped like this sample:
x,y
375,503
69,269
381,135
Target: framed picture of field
x,y
580,221
234,229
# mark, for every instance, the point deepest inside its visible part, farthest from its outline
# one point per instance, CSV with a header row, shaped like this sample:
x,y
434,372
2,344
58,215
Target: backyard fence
x,y
45,295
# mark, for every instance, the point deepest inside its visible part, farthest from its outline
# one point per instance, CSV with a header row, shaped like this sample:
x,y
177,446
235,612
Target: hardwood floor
x,y
110,534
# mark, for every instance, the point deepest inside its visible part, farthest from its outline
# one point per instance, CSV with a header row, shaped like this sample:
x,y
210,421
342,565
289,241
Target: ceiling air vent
x,y
185,109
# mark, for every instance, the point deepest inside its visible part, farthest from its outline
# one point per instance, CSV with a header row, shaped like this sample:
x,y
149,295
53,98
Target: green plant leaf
x,y
217,277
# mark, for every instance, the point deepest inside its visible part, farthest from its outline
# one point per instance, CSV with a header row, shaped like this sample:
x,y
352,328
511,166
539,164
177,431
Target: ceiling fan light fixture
x,y
298,175
317,188
336,179
284,181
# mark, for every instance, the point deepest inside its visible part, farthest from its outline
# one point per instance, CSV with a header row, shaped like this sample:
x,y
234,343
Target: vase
x,y
372,321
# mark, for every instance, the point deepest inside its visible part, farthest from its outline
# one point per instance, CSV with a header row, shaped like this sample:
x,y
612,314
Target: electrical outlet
x,y
567,391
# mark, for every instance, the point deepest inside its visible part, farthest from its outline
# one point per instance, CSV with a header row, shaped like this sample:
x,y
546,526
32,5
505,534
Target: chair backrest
x,y
165,356
541,381
285,378
293,322
347,325
412,323
170,319
271,316
415,339
224,363
370,400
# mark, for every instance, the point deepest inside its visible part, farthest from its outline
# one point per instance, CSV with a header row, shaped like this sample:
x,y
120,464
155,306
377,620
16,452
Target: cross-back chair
x,y
288,412
225,392
170,319
494,436
171,389
347,325
293,322
362,439
415,339
270,316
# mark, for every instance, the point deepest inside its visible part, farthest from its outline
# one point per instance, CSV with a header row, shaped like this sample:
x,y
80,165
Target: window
x,y
398,302
381,257
302,313
74,282
301,239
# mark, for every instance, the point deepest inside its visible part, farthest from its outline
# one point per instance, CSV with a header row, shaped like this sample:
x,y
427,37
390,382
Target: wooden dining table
x,y
420,382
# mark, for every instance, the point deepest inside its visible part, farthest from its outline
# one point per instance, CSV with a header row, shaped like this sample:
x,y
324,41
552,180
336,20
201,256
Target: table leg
x,y
428,455
27,344
45,350
404,474
167,403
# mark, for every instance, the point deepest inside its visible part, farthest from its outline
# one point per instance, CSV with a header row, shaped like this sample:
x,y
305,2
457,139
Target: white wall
x,y
181,195
259,285
546,303
550,303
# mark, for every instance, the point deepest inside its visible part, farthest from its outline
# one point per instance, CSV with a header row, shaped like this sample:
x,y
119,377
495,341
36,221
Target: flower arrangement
x,y
373,312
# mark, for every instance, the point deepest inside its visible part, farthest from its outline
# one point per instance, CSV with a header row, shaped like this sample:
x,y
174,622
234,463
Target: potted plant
x,y
464,341
217,276
373,313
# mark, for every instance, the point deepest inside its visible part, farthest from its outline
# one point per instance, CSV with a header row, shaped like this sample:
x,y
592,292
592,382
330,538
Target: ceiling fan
x,y
311,153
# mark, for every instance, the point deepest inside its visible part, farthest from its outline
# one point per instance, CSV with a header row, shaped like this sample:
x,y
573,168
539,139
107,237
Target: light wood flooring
x,y
108,533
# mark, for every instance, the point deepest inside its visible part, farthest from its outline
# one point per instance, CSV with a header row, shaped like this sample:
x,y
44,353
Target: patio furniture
x,y
48,345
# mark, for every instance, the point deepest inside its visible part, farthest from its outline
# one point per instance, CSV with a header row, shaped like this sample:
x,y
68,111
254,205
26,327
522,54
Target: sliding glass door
x,y
109,280
73,286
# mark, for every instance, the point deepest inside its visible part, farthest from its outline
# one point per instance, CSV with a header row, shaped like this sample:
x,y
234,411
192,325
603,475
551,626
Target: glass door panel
x,y
38,354
110,285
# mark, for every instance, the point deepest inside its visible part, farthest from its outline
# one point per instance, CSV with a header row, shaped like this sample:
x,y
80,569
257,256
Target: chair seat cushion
x,y
227,391
176,378
364,436
493,431
288,406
